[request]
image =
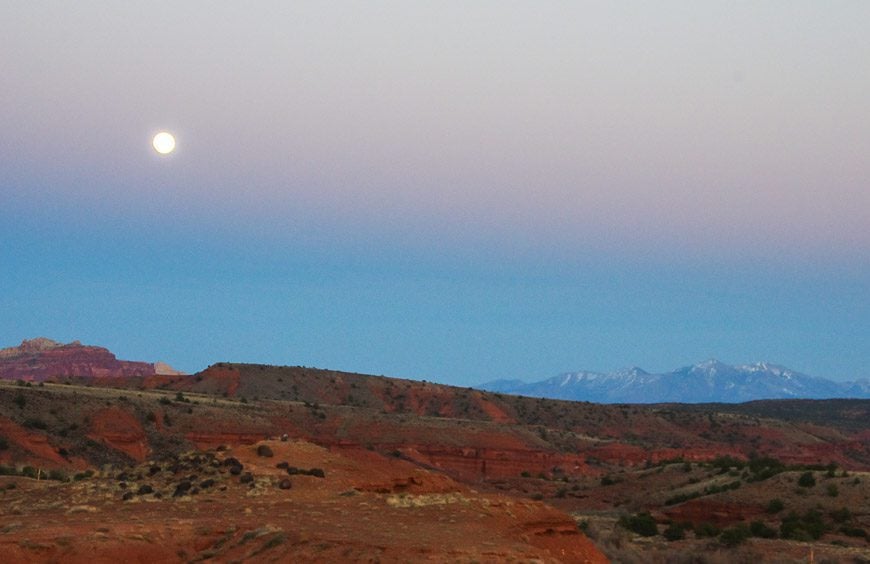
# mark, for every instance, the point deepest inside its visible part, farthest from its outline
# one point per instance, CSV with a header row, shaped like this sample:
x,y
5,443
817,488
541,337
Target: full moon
x,y
164,143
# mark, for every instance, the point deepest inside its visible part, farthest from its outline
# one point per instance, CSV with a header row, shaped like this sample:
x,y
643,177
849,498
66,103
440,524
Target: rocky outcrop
x,y
42,359
121,431
471,464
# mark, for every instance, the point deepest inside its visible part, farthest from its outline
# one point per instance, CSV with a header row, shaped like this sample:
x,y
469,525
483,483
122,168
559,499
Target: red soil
x,y
367,507
121,431
39,451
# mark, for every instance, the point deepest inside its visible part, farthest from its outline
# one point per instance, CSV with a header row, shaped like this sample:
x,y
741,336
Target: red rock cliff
x,y
43,359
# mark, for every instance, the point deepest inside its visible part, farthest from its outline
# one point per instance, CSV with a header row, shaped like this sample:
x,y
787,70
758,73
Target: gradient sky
x,y
455,191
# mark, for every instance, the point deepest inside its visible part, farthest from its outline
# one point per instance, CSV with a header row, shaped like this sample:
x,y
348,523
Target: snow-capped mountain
x,y
709,381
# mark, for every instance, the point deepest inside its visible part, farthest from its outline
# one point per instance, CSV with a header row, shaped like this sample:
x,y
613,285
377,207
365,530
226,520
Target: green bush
x,y
4,444
674,532
775,505
82,475
806,480
759,529
806,527
706,530
735,535
763,468
725,463
854,532
34,423
640,523
841,515
833,491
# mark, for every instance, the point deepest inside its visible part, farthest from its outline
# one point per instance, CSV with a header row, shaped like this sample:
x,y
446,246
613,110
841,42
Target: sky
x,y
450,191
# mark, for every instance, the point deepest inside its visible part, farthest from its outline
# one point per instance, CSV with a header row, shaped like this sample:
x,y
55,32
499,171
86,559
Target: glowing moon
x,y
163,142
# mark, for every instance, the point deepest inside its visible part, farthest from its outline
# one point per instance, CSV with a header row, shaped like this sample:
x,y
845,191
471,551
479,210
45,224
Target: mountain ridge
x,y
41,359
707,381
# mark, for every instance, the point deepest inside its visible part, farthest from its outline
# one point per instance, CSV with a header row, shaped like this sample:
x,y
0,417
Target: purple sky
x,y
522,188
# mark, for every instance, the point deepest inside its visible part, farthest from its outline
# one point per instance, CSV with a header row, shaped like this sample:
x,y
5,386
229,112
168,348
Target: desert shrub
x,y
706,530
674,532
640,523
807,480
764,467
264,451
775,505
607,481
4,444
151,417
525,474
8,471
735,535
58,475
854,532
165,401
82,475
28,472
806,527
182,489
20,400
725,463
841,515
35,423
759,529
680,498
832,490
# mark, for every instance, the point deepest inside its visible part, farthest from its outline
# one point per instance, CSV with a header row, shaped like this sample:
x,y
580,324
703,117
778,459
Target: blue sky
x,y
440,190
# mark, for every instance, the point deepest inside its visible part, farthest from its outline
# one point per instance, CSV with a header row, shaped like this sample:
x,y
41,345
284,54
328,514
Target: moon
x,y
163,142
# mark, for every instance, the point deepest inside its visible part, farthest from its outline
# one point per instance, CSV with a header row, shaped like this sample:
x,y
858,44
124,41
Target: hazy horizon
x,y
455,192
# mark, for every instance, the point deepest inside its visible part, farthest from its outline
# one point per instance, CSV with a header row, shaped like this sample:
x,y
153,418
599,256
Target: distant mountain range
x,y
710,381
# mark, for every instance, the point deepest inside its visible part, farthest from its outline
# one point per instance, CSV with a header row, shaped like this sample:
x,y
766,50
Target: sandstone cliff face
x,y
42,359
